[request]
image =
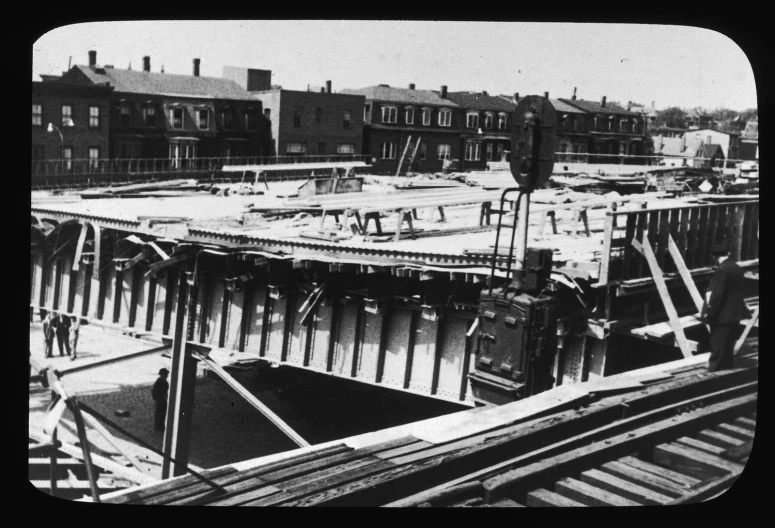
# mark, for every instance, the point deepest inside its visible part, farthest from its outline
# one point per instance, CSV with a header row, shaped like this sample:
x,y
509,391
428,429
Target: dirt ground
x,y
225,428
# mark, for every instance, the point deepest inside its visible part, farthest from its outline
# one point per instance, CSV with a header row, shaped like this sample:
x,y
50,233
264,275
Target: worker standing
x,y
48,334
724,308
159,393
63,334
75,329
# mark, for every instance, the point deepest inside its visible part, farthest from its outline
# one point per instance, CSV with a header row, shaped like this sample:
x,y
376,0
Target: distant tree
x,y
749,113
673,117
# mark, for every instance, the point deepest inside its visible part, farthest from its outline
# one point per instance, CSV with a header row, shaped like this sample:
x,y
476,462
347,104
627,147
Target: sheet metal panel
x,y
298,337
367,360
396,348
212,319
126,296
110,292
320,338
452,356
424,350
274,337
345,344
234,319
256,319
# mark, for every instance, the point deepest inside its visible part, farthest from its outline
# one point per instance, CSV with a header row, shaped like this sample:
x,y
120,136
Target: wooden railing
x,y
695,229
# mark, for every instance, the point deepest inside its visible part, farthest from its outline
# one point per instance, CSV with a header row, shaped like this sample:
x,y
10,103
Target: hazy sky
x,y
671,65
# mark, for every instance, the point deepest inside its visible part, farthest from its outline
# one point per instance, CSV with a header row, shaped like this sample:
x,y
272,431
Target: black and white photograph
x,y
392,263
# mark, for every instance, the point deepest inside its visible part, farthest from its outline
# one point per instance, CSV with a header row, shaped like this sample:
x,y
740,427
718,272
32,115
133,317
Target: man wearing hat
x,y
159,393
724,308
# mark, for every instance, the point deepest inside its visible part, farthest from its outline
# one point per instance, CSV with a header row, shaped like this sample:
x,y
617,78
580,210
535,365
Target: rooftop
x,y
481,101
596,107
383,92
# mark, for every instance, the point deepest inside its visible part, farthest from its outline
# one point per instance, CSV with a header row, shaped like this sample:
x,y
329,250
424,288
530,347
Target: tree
x,y
672,117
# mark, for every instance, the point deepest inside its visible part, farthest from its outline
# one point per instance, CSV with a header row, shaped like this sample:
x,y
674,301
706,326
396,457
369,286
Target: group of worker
x,y
65,328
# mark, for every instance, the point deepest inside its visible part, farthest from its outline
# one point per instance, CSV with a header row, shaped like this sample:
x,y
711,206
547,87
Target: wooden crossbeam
x,y
754,319
647,251
401,161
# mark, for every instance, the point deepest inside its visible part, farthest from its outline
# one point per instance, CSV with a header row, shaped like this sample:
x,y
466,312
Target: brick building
x,y
312,123
79,113
572,132
161,115
613,131
486,127
392,116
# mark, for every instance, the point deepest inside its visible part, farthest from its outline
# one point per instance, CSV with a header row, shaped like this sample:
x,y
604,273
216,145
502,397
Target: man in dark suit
x,y
63,334
159,393
724,308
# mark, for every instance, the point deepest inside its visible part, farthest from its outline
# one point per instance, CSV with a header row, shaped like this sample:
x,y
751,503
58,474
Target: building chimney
x,y
546,95
147,63
328,87
322,90
196,67
574,94
411,86
92,58
516,97
602,102
443,92
484,93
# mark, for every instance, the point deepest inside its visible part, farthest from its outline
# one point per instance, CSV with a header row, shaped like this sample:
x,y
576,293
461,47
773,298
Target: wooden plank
x,y
683,231
673,233
738,453
545,498
708,491
659,280
702,256
678,260
735,431
744,335
412,338
642,478
692,462
605,257
623,488
745,423
692,237
719,439
663,232
505,503
639,261
629,233
700,445
590,495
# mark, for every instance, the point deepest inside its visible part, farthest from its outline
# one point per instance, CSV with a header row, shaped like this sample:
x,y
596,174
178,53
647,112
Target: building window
x,y
227,119
176,117
426,116
423,150
150,116
67,115
203,118
296,149
610,123
499,151
445,117
502,121
322,147
181,151
388,150
37,115
576,123
94,157
473,151
472,120
443,151
67,154
366,110
346,119
409,116
94,117
389,114
297,119
488,151
623,125
488,120
345,148
318,115
622,149
636,126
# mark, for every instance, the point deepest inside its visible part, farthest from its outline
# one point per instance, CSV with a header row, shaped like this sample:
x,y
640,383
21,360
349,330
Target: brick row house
x,y
178,117
486,129
79,113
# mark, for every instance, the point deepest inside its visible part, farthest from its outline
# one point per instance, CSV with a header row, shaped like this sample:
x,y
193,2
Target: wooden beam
x,y
73,405
111,439
251,399
406,149
750,324
413,317
683,270
646,250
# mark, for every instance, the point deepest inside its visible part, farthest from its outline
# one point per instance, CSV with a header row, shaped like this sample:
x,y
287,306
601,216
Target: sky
x,y
669,65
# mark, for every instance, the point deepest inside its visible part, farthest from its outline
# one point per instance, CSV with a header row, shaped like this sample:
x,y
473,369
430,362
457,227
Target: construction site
x,y
528,336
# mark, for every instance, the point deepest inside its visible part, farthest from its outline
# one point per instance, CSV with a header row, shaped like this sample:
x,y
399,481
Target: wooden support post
x,y
204,311
645,249
290,311
111,440
247,309
383,342
401,161
150,303
466,367
136,278
441,212
309,333
750,324
227,299
360,327
57,283
268,307
53,463
180,406
117,293
333,336
605,257
397,236
73,405
437,351
684,272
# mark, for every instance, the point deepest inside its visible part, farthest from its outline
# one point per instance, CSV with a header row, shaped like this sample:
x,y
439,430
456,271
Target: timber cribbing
x,y
682,440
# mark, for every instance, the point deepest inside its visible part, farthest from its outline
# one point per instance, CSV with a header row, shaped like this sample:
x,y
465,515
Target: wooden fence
x,y
694,228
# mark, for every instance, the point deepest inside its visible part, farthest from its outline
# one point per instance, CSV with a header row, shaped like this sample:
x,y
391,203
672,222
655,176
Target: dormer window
x,y
409,115
472,120
426,116
489,119
203,118
389,114
176,117
502,119
445,117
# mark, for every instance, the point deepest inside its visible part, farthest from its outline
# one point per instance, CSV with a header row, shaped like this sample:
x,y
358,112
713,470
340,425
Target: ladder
x,y
411,159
